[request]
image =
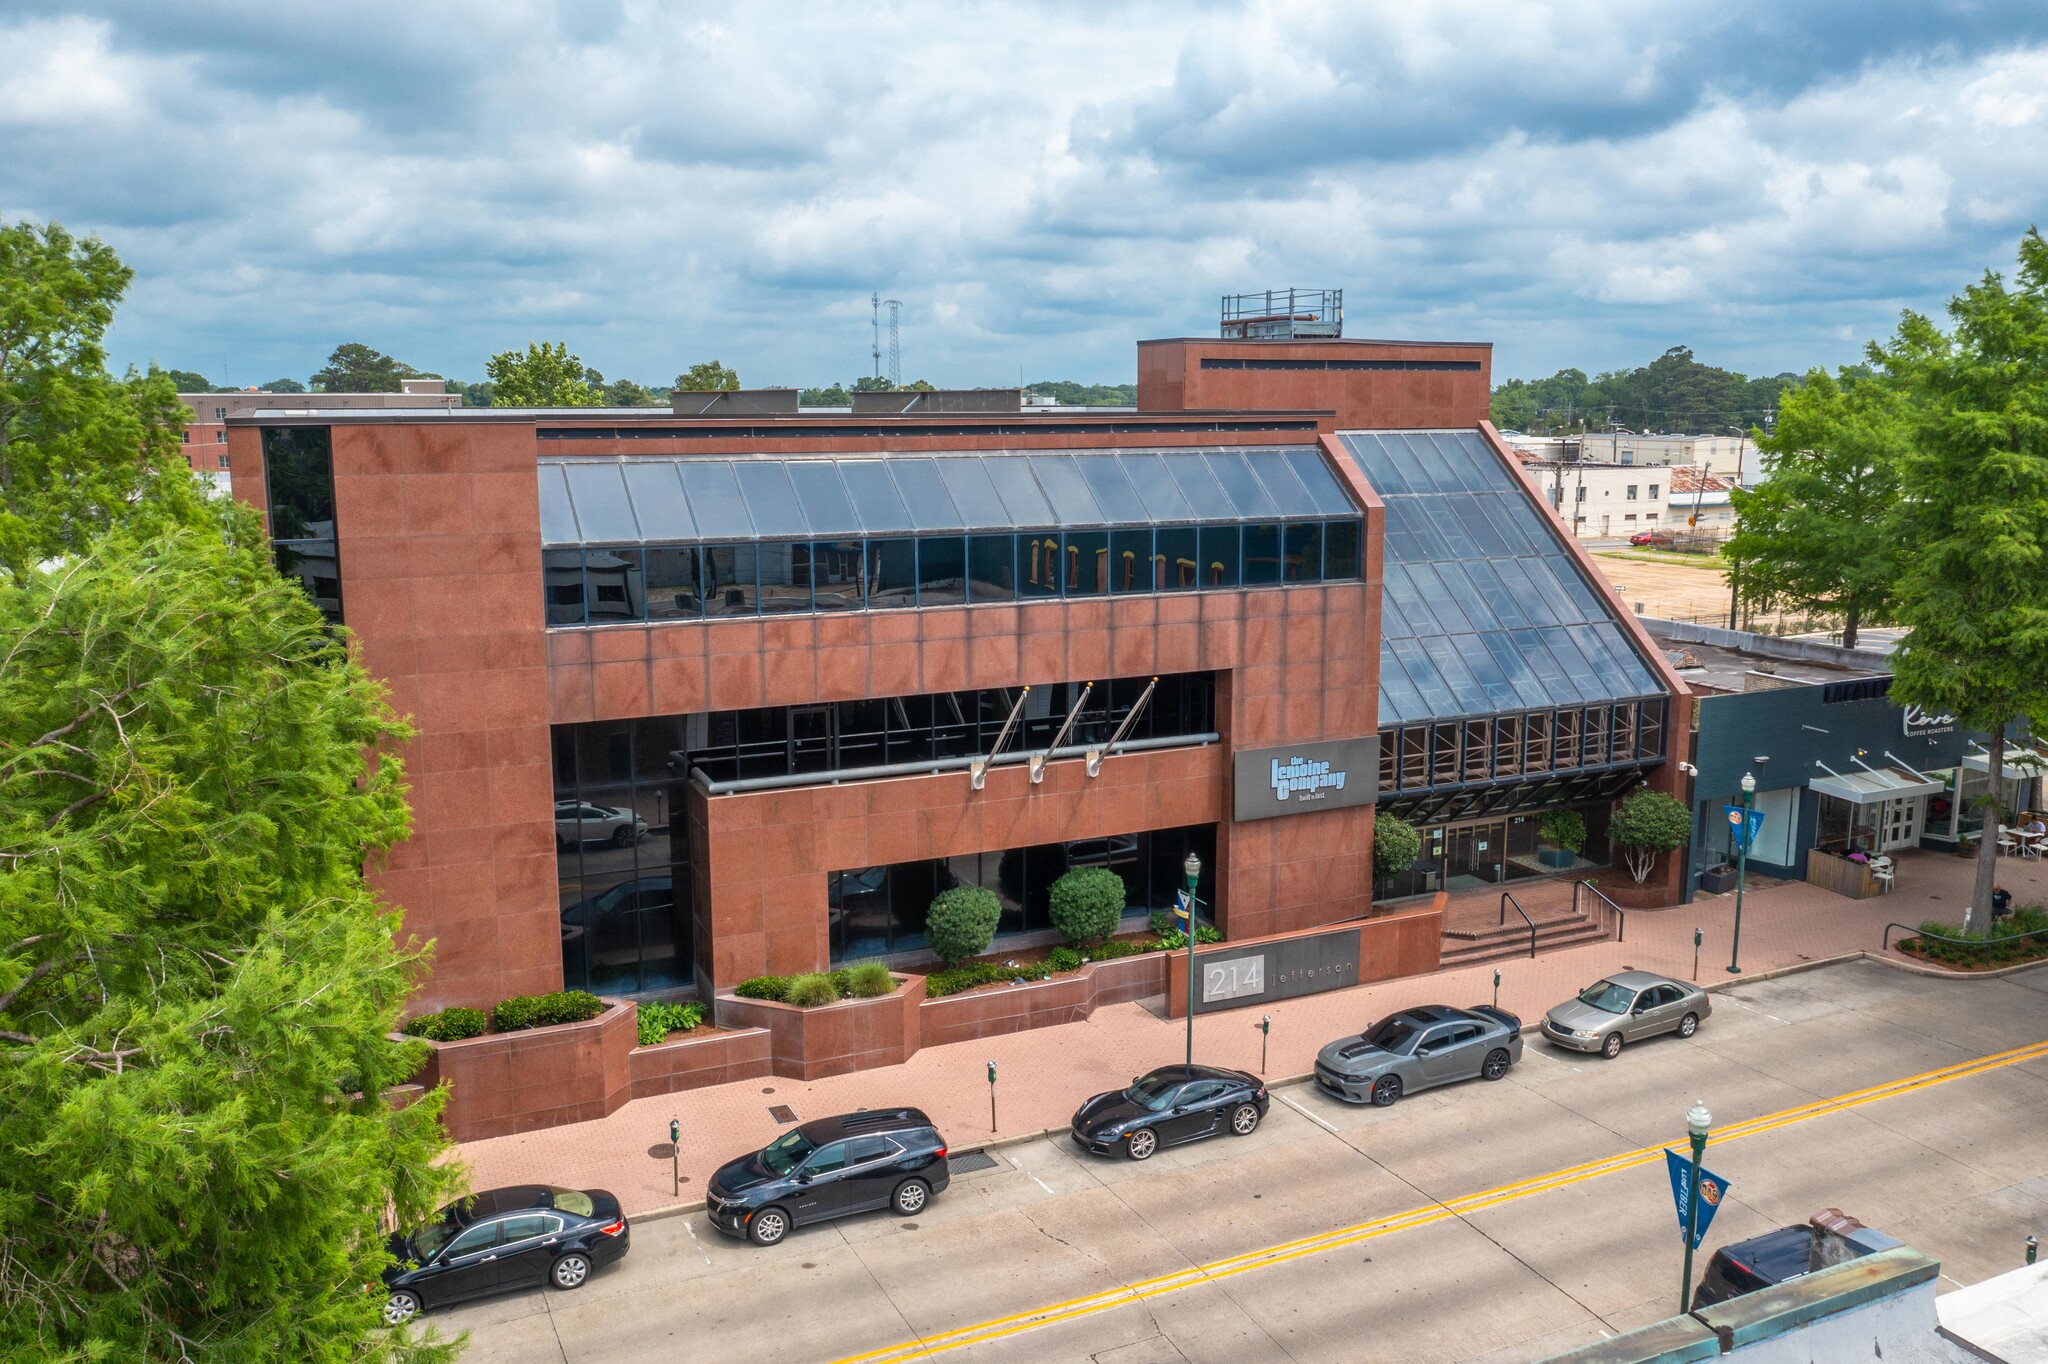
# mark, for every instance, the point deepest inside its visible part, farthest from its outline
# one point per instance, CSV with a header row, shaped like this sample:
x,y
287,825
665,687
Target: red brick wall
x,y
1171,379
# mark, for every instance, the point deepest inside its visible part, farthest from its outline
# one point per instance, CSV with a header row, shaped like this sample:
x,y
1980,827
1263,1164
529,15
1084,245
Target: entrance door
x,y
1898,823
1472,857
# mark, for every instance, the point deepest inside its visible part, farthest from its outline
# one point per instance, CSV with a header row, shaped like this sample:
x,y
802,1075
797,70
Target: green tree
x,y
1973,516
187,382
77,446
1646,824
626,393
282,386
707,377
1816,534
1070,393
545,375
1395,844
835,396
355,368
195,983
476,395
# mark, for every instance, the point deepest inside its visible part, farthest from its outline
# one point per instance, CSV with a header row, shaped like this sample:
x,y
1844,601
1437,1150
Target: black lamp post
x,y
1193,868
1741,872
1697,1121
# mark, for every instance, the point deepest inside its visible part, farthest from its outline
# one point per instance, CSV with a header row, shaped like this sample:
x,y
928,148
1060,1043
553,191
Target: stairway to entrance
x,y
1474,933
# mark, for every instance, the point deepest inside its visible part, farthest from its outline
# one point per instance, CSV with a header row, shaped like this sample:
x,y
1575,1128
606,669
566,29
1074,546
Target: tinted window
x,y
1607,996
298,478
785,576
562,585
475,1239
731,587
786,1152
1178,556
612,585
1130,561
941,570
837,572
1261,554
991,568
536,1224
861,1150
674,587
893,564
1087,562
1038,565
1393,1034
1220,556
827,1158
1153,1093
1302,558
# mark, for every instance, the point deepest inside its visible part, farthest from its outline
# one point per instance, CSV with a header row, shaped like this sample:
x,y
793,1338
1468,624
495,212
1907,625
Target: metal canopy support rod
x,y
1096,755
978,769
1066,728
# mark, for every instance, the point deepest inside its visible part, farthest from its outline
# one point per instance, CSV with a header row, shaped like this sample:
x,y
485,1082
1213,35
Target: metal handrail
x,y
1959,942
1621,915
1507,898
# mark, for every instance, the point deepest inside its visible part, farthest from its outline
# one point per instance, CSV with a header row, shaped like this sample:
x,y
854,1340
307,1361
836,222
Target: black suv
x,y
1830,1237
885,1158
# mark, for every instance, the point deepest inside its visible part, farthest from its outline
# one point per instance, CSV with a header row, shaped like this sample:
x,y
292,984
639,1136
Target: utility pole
x,y
875,304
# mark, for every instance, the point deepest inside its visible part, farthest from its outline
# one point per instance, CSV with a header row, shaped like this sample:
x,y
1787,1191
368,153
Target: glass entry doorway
x,y
1473,855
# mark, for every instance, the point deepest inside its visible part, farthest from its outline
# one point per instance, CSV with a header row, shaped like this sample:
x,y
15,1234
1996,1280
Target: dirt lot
x,y
1668,590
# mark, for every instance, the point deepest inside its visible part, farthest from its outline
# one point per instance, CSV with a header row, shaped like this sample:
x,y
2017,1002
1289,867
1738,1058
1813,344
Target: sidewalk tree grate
x,y
782,1112
968,1162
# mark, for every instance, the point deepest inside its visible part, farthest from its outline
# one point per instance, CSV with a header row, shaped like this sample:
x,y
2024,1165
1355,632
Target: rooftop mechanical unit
x,y
1284,315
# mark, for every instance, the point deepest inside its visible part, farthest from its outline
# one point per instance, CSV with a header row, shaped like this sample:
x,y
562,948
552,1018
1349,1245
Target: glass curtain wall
x,y
878,910
622,855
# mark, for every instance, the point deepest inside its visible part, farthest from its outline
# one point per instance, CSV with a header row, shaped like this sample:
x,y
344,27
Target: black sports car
x,y
502,1239
1169,1106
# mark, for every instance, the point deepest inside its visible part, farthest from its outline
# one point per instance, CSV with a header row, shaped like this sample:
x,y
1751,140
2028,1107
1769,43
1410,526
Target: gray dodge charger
x,y
1418,1048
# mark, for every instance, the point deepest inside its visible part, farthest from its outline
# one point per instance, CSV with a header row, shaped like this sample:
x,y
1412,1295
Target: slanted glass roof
x,y
1483,610
598,501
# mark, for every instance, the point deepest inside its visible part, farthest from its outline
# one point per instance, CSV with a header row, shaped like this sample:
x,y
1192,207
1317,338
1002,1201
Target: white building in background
x,y
1604,501
1734,456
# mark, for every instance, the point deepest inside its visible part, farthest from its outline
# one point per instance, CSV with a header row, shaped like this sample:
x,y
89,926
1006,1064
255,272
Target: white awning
x,y
1864,788
2021,764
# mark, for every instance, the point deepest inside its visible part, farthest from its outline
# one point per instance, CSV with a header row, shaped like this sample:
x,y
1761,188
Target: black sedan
x,y
831,1167
1171,1105
1420,1048
503,1239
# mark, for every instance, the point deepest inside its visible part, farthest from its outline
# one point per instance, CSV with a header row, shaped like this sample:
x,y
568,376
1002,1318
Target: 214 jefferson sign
x,y
1305,778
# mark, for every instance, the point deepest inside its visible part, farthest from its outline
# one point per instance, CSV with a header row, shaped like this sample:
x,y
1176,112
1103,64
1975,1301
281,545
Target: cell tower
x,y
895,306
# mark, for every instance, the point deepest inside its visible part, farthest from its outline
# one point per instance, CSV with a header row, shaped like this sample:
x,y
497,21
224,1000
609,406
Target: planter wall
x,y
541,1077
1652,894
1042,1003
690,1062
854,1034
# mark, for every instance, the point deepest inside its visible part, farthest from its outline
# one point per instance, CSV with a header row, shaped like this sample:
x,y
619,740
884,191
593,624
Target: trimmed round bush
x,y
449,1025
810,990
1395,844
772,988
869,980
515,1014
962,923
1088,904
568,1006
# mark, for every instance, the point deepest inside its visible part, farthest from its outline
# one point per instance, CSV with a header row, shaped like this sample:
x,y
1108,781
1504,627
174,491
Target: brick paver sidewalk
x,y
1044,1074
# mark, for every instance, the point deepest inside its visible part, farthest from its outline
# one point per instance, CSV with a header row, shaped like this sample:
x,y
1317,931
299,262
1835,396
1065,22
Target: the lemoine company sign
x,y
1304,778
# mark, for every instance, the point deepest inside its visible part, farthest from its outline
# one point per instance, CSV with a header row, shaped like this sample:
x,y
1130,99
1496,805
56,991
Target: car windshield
x,y
1393,1034
1607,996
428,1241
1152,1093
574,1201
786,1152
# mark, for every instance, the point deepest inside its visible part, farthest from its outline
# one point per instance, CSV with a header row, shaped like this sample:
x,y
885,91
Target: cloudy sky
x,y
1580,183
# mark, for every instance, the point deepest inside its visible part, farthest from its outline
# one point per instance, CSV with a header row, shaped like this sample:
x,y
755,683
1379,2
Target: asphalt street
x,y
1484,1221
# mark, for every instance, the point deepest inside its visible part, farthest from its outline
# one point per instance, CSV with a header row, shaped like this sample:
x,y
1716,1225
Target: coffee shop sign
x,y
1307,779
1919,722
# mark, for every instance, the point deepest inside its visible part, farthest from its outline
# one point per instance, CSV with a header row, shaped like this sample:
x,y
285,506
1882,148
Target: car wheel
x,y
1611,1048
769,1226
401,1307
911,1196
1688,1025
1497,1063
570,1271
623,838
1141,1144
1244,1119
1385,1091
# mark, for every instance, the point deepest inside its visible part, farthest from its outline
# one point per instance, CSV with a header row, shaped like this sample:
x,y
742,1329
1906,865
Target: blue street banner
x,y
1744,836
1712,1189
1182,907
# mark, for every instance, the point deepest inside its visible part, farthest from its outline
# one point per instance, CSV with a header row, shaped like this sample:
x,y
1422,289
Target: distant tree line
x,y
1673,393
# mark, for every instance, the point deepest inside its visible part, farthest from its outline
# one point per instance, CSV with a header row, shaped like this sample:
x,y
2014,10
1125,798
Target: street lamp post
x,y
1741,873
1193,868
1697,1121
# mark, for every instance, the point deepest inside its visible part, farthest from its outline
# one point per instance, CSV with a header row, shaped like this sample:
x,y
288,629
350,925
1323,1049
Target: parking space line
x,y
1305,1113
1001,1327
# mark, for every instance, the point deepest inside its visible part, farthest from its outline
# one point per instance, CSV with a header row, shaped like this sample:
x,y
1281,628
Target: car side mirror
x,y
803,1176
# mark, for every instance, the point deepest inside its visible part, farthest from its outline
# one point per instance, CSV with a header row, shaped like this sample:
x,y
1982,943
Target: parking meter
x,y
1496,987
991,1096
675,1156
1265,1034
1695,954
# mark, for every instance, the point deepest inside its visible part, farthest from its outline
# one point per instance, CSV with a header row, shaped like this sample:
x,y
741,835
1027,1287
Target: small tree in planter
x,y
1567,829
1395,844
962,923
1088,904
1648,823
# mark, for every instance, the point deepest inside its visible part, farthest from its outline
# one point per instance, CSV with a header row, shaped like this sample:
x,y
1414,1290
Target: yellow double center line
x,y
1125,1294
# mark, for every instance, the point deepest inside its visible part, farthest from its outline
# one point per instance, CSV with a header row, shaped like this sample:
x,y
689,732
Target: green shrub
x,y
810,990
1117,947
962,922
568,1006
1566,828
842,981
773,988
658,1020
1063,959
449,1025
1088,904
1987,949
953,979
1395,844
869,980
515,1014
1176,940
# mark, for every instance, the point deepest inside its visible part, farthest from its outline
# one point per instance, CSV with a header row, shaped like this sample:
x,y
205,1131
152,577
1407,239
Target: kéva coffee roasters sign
x,y
1304,778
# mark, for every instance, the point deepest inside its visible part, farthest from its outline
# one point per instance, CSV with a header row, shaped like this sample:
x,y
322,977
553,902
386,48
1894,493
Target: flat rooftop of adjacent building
x,y
1736,661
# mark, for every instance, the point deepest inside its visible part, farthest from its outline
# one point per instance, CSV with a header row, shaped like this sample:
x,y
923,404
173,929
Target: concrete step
x,y
1492,948
1489,928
